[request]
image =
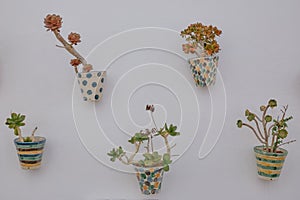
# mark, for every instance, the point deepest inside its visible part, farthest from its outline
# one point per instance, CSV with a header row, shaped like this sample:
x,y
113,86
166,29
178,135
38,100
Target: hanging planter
x,y
201,41
149,179
204,70
91,85
270,132
269,164
150,170
90,82
29,149
30,153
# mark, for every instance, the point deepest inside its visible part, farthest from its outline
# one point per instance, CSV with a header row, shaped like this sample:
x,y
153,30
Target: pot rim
x,y
259,149
40,139
92,72
196,58
148,168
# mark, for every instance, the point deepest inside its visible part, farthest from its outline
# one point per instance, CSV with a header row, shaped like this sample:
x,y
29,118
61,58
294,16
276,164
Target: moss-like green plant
x,y
269,131
151,158
15,122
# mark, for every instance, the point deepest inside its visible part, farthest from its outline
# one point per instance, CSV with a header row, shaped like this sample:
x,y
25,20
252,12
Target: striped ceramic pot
x,y
91,85
30,153
269,164
204,70
149,179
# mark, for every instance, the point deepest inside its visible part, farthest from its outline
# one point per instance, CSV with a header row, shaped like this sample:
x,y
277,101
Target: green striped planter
x,y
30,153
269,164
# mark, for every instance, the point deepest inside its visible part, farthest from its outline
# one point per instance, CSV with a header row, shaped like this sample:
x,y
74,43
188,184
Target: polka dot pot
x,y
204,70
149,179
269,164
30,153
91,85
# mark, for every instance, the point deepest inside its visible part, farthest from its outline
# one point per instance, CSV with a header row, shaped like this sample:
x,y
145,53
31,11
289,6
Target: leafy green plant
x,y
15,122
151,157
269,131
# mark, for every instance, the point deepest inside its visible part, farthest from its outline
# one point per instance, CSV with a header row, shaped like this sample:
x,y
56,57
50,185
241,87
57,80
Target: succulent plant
x,y
201,39
151,158
15,122
269,131
53,23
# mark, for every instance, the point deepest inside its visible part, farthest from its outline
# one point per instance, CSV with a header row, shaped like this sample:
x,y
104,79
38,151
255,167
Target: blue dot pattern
x,y
89,75
91,85
94,84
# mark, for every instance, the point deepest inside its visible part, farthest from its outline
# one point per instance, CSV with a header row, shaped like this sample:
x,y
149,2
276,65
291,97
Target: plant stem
x,y
167,145
32,134
151,138
286,143
69,48
20,135
258,128
247,125
137,148
265,127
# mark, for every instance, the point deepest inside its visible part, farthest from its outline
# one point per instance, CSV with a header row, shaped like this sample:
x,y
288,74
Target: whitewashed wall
x,y
259,60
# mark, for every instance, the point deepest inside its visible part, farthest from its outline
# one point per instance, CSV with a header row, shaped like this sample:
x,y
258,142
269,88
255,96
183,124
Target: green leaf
x,y
268,118
239,123
247,112
251,117
167,159
272,103
262,108
282,133
166,168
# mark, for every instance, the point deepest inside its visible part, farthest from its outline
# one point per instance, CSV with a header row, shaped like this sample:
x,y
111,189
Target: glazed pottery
x,y
269,164
30,153
204,70
149,179
91,85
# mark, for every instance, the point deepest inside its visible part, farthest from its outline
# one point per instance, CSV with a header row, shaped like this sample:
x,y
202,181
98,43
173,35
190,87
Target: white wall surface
x,y
259,60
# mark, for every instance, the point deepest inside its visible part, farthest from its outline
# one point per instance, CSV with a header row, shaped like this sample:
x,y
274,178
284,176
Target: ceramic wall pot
x,y
30,153
91,85
269,164
149,179
204,70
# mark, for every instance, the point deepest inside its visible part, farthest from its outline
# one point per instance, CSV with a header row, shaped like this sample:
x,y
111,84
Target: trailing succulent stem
x,y
54,23
270,132
15,122
151,158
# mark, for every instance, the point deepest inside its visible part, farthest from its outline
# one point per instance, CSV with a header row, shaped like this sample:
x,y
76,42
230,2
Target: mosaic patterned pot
x,y
269,164
91,85
204,70
149,179
30,153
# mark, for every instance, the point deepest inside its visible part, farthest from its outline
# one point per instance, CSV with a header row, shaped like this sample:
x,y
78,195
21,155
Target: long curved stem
x,y
254,131
69,48
258,128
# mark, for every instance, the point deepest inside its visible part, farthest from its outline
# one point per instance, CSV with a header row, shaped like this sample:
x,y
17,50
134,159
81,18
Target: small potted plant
x,y
201,40
30,149
90,82
270,132
150,168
